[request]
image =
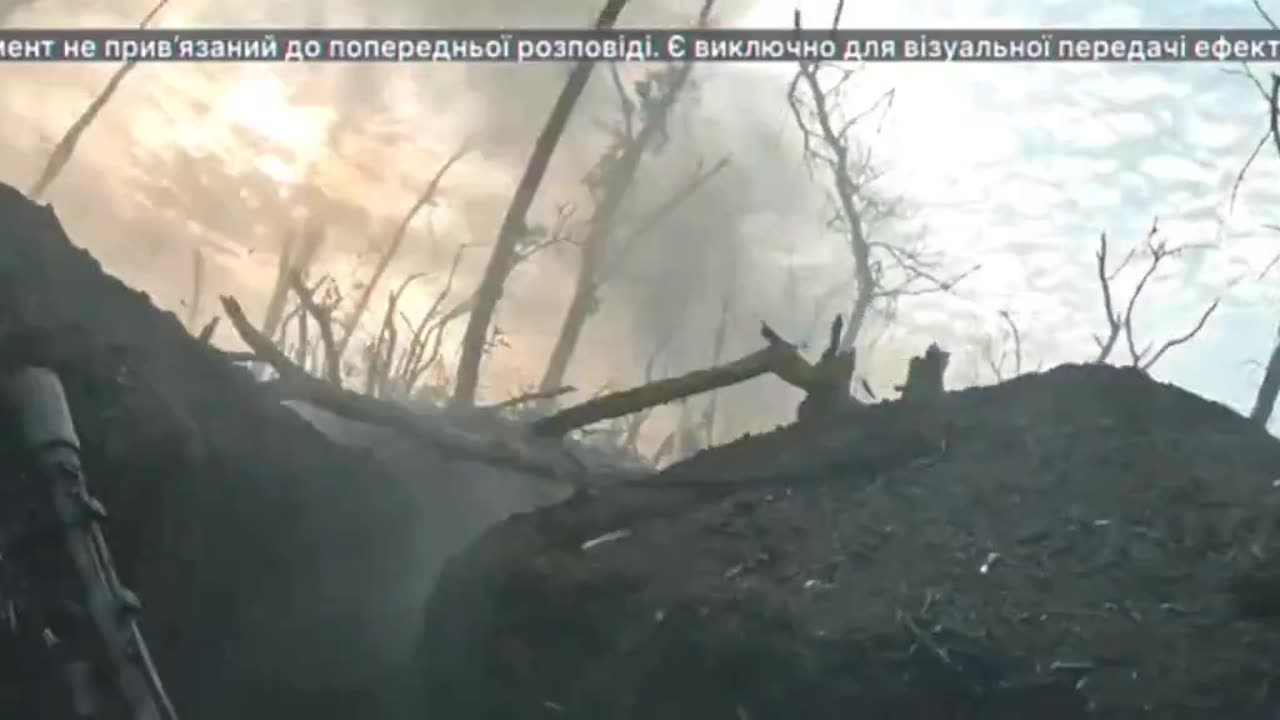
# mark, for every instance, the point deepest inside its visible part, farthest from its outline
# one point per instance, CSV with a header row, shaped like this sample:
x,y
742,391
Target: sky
x,y
1013,168
1032,162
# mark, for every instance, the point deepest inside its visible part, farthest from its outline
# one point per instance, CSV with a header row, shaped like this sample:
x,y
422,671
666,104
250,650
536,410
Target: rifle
x,y
68,616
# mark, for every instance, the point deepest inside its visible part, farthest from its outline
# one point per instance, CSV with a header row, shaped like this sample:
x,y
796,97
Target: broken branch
x,y
393,247
657,393
62,153
514,224
828,143
324,320
294,383
778,357
1118,323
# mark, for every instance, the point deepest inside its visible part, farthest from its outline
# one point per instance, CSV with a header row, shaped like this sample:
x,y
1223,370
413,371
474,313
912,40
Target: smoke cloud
x,y
230,160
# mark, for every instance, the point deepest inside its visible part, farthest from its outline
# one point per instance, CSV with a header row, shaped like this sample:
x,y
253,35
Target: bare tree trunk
x,y
848,193
290,262
582,306
66,146
619,175
197,288
514,224
274,313
1265,403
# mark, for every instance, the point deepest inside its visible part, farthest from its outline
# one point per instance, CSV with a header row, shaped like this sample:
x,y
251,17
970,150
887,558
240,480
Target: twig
x,y
826,143
324,321
1185,337
1265,15
1017,341
1244,169
1108,306
997,363
1122,323
538,458
394,245
412,363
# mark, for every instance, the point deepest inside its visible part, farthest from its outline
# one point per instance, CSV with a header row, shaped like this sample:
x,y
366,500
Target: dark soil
x,y
259,548
1078,543
1059,546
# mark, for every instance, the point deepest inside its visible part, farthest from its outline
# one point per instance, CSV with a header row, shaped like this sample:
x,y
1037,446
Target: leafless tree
x,y
322,314
882,270
295,257
1120,323
609,182
1265,401
514,225
66,147
1003,356
389,253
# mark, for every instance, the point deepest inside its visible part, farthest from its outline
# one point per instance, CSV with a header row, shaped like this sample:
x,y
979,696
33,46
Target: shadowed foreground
x,y
272,564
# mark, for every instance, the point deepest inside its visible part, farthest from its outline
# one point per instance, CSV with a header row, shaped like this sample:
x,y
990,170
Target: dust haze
x,y
229,160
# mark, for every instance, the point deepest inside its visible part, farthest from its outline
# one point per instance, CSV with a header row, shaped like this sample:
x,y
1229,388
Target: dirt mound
x,y
1059,546
269,560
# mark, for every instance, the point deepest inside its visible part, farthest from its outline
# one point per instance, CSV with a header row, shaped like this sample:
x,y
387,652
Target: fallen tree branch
x,y
778,357
293,383
660,392
259,344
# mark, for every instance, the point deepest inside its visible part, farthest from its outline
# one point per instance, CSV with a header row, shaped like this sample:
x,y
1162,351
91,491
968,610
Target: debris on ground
x,y
1076,543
